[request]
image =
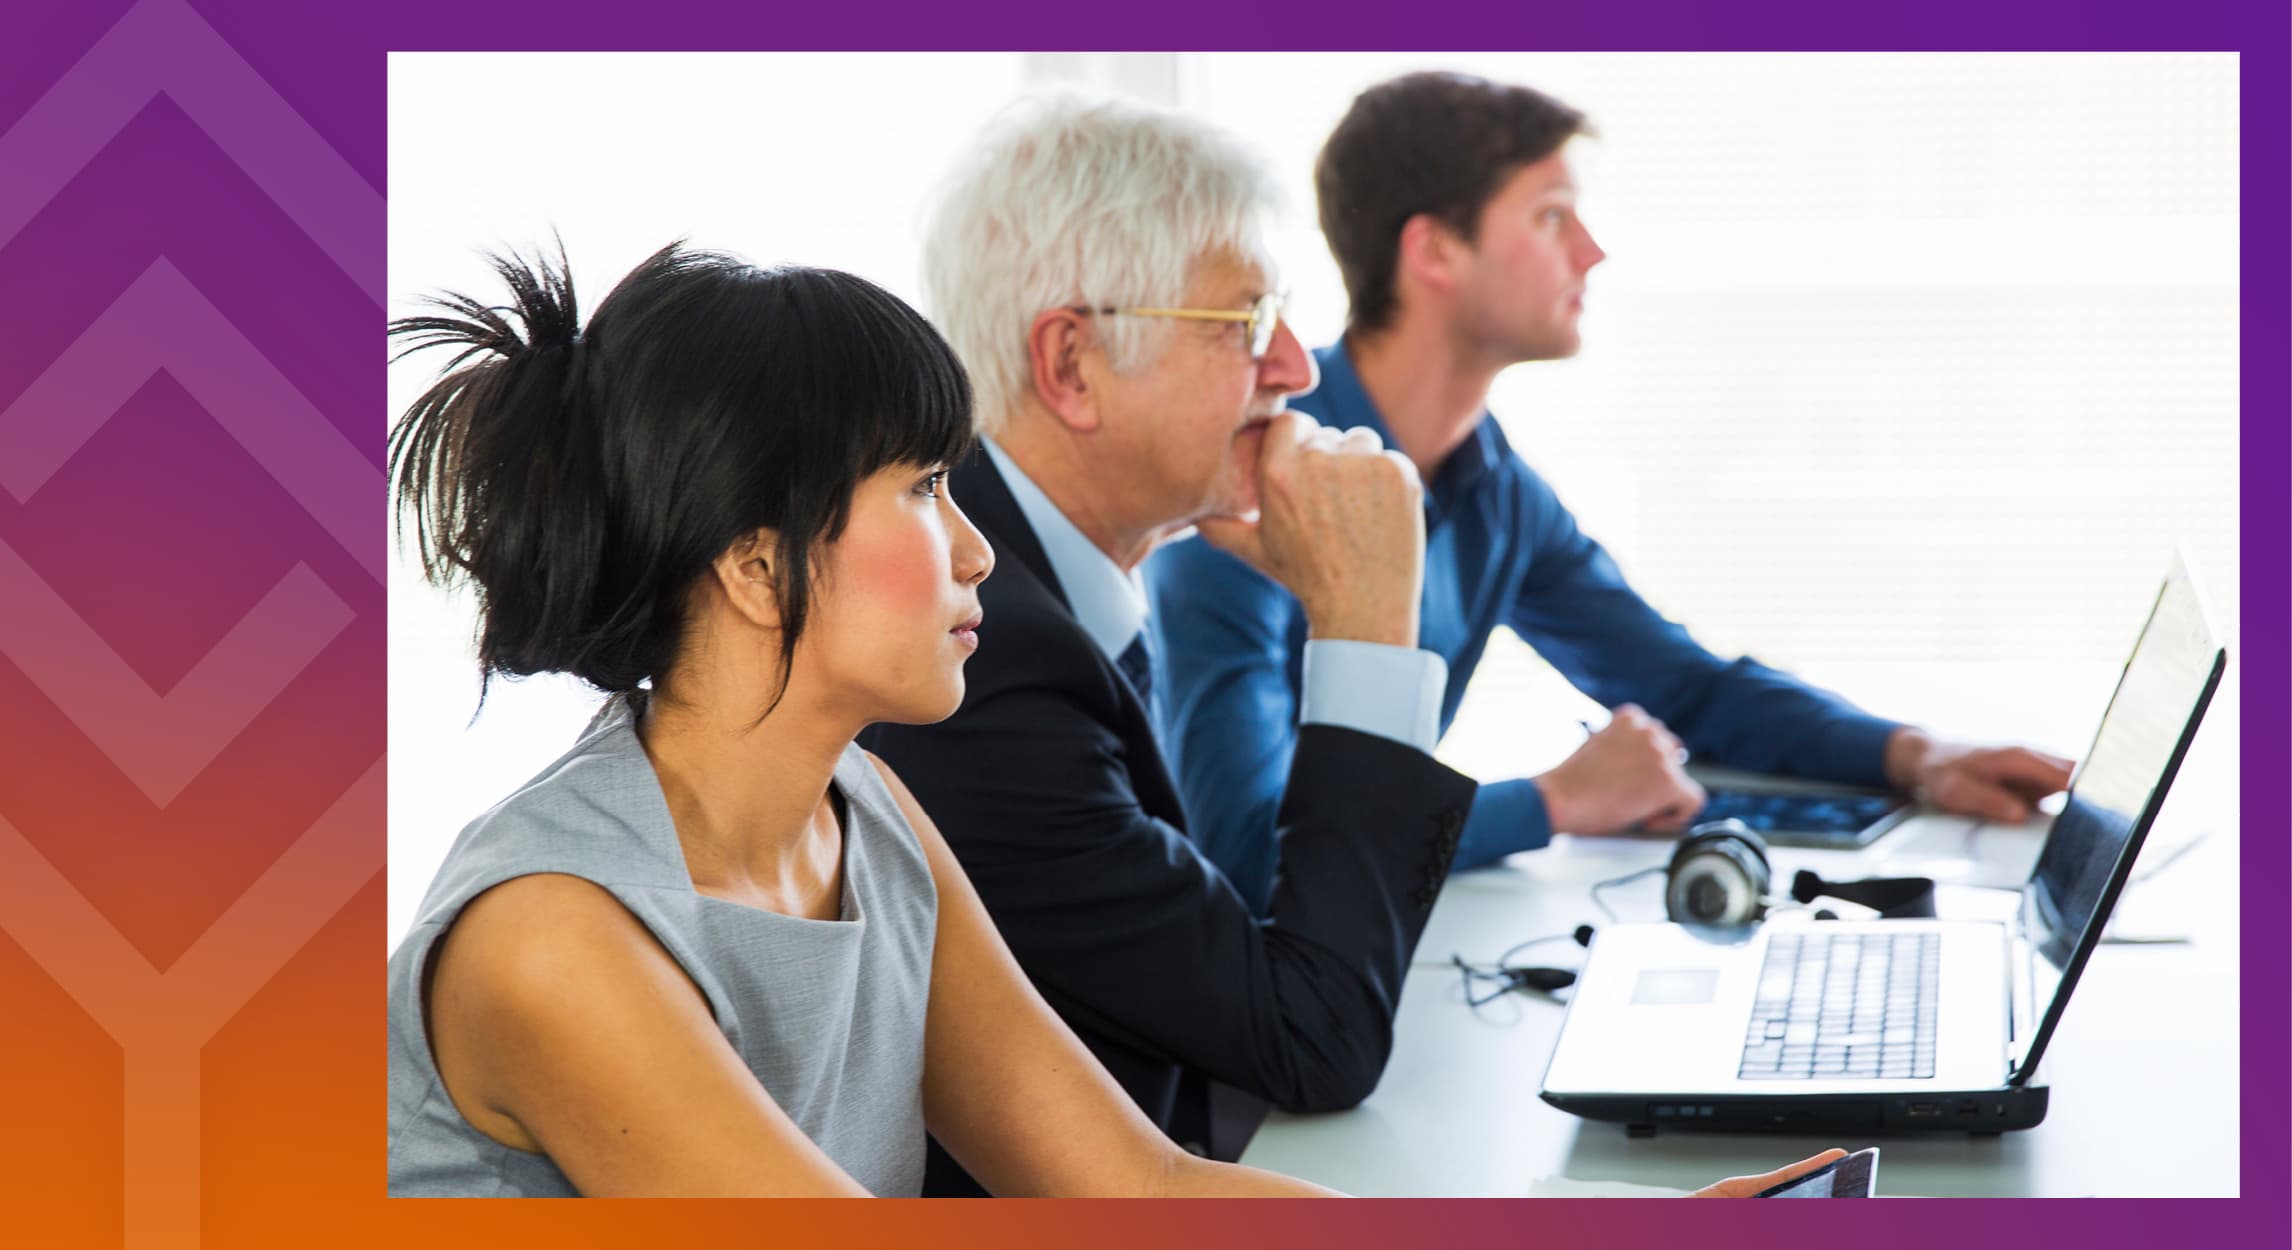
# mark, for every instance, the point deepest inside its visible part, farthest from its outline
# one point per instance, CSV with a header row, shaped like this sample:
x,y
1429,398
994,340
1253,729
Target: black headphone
x,y
1719,877
1717,881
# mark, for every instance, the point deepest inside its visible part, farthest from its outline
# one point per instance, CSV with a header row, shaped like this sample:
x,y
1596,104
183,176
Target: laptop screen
x,y
2114,796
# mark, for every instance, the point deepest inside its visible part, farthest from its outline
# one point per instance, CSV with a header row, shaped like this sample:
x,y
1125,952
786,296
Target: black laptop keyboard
x,y
1844,1007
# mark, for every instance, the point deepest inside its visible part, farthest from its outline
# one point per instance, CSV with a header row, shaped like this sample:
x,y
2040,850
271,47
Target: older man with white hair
x,y
1099,266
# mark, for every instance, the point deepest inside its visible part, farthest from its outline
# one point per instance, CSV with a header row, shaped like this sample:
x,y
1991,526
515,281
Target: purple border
x,y
1341,25
327,63
2259,35
2266,452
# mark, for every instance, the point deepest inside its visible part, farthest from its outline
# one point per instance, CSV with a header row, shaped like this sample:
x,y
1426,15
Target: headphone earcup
x,y
1719,876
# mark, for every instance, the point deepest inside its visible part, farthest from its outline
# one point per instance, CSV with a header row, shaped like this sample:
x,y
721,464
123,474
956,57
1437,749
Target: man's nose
x,y
1287,369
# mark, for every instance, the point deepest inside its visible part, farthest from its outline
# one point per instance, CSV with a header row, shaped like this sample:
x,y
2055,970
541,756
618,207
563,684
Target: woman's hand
x,y
1753,1186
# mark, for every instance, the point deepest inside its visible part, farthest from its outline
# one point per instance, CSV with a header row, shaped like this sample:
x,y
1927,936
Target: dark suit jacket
x,y
1050,786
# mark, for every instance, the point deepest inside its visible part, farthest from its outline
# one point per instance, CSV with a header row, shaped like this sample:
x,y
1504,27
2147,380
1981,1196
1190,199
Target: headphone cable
x,y
1625,879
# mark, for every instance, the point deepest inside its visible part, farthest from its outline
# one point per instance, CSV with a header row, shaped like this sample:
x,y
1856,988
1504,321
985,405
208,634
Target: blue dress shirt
x,y
1500,549
1392,692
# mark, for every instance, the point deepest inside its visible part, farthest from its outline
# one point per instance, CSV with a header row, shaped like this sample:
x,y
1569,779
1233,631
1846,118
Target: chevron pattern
x,y
162,742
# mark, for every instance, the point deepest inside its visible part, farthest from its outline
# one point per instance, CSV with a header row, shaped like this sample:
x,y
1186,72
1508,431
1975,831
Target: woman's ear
x,y
1057,343
747,574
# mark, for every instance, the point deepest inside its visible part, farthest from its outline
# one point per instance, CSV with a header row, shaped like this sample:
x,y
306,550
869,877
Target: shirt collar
x,y
1109,604
1346,403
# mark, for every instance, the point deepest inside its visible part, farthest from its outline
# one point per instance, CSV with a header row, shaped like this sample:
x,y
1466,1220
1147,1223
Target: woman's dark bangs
x,y
910,400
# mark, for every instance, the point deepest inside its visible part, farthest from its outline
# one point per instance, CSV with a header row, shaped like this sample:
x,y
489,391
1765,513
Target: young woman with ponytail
x,y
715,949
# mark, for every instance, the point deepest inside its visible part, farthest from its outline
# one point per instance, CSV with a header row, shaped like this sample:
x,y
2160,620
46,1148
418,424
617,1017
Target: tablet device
x,y
1850,1177
1822,820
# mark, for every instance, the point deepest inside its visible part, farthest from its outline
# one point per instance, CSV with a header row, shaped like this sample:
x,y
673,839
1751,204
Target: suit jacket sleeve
x,y
1137,938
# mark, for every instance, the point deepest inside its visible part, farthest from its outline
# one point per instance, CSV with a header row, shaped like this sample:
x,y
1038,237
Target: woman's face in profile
x,y
897,608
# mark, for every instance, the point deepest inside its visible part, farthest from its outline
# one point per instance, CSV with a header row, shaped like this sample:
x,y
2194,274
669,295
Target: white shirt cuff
x,y
1392,692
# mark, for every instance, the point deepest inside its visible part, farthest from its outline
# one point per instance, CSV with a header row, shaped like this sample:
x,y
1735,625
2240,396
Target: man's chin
x,y
1236,496
1237,483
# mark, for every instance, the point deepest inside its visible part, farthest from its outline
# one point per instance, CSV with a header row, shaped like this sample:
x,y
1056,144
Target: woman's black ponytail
x,y
582,479
500,464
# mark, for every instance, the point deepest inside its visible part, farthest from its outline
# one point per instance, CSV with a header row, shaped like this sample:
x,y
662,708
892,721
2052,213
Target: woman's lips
x,y
967,633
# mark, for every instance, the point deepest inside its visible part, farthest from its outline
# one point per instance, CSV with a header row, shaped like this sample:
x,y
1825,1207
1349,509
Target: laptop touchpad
x,y
1675,986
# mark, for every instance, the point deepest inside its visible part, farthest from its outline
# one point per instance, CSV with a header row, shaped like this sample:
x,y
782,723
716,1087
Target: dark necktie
x,y
1137,665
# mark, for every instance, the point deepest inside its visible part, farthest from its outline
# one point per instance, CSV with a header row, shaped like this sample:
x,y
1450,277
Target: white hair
x,y
1073,200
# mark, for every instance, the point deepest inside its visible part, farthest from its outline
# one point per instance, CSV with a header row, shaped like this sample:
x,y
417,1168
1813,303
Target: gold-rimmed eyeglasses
x,y
1263,317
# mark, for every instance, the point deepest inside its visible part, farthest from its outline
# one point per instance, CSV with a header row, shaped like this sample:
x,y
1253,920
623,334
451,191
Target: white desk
x,y
2143,1068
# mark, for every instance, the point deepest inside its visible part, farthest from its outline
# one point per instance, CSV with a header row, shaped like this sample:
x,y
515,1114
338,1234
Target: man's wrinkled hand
x,y
1341,524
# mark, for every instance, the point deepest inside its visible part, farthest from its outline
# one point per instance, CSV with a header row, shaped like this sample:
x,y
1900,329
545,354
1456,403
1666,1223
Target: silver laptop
x,y
1890,1025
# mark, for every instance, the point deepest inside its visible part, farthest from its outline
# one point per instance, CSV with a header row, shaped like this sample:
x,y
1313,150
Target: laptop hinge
x,y
2021,1008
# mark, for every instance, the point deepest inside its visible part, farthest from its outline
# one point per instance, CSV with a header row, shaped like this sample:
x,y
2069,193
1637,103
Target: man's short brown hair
x,y
1435,143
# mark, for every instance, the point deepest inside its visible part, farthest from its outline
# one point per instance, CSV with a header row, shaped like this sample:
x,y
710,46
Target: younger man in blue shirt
x,y
1449,204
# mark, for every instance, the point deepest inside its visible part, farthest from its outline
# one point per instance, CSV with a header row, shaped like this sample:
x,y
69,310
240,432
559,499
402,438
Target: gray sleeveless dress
x,y
829,1015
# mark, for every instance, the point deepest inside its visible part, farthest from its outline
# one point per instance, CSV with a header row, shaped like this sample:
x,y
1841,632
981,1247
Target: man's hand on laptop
x,y
1994,783
1753,1186
1628,777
